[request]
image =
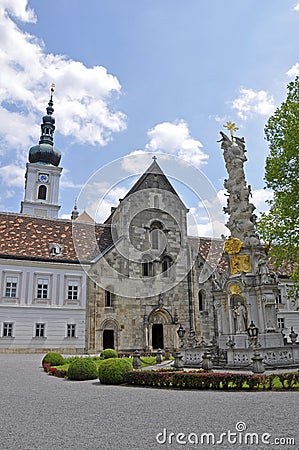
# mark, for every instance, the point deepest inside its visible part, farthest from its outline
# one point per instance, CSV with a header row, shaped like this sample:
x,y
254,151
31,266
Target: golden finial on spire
x,y
231,126
52,88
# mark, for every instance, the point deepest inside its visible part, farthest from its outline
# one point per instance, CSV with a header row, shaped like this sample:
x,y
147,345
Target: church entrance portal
x,y
108,339
157,336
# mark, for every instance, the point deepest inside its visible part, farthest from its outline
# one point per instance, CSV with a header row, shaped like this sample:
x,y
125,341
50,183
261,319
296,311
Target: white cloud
x,y
259,199
252,102
219,119
19,9
296,7
174,138
202,225
294,70
84,99
13,175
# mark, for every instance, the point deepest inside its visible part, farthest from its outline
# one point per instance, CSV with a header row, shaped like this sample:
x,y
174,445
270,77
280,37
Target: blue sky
x,y
142,75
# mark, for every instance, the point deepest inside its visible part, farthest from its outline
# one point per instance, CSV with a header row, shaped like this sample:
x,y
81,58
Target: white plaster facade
x,y
42,306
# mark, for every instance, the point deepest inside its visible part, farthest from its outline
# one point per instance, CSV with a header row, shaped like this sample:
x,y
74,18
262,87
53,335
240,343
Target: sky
x,y
137,78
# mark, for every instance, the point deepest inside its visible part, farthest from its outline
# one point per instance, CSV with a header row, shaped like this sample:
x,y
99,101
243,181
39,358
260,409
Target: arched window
x,y
42,192
147,268
166,263
201,301
156,201
108,299
154,234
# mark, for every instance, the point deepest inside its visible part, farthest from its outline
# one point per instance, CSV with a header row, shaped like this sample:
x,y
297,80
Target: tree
x,y
281,224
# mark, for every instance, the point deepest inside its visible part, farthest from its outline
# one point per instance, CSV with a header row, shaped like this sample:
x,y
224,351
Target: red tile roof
x,y
28,237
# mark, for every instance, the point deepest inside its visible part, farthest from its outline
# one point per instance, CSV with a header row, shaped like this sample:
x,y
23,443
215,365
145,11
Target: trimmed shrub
x,y
113,370
82,369
53,358
108,353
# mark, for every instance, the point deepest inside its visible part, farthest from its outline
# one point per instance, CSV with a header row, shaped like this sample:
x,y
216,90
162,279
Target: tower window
x,y
200,301
108,299
166,263
42,192
147,268
154,234
156,201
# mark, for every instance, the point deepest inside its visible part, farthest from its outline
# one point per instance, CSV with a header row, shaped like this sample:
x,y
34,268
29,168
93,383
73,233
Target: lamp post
x,y
293,336
253,332
181,334
257,359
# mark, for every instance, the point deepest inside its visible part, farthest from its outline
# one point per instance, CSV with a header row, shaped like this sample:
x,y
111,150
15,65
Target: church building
x,y
79,286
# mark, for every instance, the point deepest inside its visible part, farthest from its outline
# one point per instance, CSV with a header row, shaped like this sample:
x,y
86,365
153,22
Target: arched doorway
x,y
161,329
108,339
157,336
108,335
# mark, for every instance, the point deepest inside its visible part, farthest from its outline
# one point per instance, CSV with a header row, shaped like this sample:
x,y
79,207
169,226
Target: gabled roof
x,y
153,177
28,237
85,217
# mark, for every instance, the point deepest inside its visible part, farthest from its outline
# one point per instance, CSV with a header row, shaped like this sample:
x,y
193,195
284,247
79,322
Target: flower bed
x,y
54,371
213,380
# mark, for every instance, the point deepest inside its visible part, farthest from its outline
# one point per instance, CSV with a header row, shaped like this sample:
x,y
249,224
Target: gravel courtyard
x,y
43,412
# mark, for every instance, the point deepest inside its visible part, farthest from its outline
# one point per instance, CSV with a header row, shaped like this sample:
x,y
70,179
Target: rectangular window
x,y
145,269
42,288
73,290
280,322
11,287
40,329
71,330
7,329
108,299
279,297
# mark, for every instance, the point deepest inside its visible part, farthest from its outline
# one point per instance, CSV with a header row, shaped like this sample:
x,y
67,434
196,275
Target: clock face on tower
x,y
43,178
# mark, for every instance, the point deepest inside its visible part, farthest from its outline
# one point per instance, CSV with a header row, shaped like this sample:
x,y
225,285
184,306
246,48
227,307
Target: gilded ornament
x,y
240,263
231,126
233,246
234,289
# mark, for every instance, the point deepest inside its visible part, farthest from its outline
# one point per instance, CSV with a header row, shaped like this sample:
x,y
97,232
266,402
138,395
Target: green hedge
x,y
108,353
82,369
211,380
53,358
113,370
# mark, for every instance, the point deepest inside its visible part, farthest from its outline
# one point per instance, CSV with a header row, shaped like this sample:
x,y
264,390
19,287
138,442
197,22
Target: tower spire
x,y
48,125
45,152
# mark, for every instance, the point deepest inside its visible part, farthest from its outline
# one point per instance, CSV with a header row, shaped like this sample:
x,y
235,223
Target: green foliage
x,y
113,370
281,225
212,380
82,369
53,358
148,361
108,353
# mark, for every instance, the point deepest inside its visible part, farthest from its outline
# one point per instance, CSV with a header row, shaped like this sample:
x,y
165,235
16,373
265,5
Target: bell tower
x,y
43,171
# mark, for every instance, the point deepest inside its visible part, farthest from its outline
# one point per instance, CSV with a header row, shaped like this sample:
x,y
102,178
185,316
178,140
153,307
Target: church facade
x,y
129,283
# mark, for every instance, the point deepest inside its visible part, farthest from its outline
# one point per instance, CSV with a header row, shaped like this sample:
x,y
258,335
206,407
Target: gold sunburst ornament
x,y
231,126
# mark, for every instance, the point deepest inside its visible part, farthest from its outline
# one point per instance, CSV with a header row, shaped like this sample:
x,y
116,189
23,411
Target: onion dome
x,y
45,152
